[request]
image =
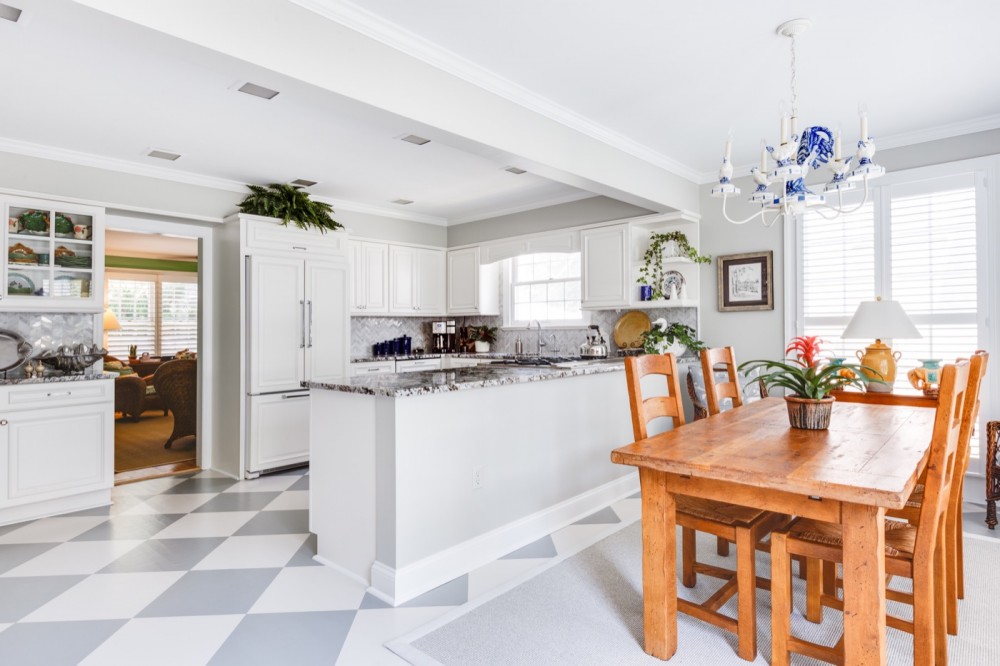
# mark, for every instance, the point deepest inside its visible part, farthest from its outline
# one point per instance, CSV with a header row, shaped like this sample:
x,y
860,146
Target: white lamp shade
x,y
111,322
882,320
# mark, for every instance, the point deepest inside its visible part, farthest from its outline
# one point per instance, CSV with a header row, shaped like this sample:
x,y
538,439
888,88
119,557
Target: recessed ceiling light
x,y
163,155
258,91
402,202
413,138
302,182
12,14
515,170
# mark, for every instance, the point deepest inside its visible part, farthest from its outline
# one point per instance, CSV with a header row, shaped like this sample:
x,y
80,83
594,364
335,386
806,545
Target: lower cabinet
x,y
57,448
280,432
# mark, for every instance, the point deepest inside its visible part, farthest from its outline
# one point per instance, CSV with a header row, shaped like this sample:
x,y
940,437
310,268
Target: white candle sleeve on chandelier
x,y
784,129
763,157
729,149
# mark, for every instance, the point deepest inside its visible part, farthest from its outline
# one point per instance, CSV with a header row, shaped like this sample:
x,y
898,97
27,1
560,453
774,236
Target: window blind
x,y
178,317
134,303
157,315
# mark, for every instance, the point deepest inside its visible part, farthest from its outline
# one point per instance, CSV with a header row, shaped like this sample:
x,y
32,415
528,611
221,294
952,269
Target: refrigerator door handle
x,y
302,344
309,304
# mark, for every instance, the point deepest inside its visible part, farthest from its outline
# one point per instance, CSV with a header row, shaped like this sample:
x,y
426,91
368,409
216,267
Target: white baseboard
x,y
53,507
346,572
397,586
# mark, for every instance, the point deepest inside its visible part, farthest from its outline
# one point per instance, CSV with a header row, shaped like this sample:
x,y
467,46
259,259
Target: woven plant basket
x,y
809,414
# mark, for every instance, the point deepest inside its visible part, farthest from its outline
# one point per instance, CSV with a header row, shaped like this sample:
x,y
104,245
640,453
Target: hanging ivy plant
x,y
290,204
652,272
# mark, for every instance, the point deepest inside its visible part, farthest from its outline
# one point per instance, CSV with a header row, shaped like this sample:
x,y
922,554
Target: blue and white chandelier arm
x,y
761,214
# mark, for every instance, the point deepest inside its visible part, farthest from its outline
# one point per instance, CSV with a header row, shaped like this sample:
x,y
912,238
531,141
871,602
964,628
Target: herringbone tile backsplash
x,y
559,342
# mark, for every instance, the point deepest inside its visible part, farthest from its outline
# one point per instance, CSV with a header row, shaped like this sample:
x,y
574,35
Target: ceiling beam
x,y
295,42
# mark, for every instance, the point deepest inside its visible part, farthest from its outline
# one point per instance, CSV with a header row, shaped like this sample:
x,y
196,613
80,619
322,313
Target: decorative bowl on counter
x,y
72,361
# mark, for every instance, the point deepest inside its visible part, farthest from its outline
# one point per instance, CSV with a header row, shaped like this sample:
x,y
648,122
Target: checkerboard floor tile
x,y
228,567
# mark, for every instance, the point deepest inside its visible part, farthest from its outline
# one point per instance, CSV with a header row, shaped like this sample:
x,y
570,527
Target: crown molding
x,y
375,27
114,164
499,212
914,138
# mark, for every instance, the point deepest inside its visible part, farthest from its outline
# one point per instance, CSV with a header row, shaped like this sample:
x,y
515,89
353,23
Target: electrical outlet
x,y
477,478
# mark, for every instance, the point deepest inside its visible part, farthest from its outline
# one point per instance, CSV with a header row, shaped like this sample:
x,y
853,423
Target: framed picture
x,y
745,282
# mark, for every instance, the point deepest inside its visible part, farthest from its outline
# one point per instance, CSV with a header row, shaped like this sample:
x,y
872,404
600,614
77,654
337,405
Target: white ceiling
x,y
663,81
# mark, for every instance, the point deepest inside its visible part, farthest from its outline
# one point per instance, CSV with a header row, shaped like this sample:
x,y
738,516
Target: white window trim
x,y
507,309
986,172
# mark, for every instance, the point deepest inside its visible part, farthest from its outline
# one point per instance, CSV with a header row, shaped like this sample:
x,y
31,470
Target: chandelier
x,y
792,159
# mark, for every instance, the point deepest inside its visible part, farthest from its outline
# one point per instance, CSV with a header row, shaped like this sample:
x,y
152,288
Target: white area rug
x,y
587,609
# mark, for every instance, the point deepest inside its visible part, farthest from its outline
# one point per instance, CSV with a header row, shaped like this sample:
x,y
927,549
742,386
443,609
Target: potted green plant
x,y
808,379
652,272
673,338
483,336
290,204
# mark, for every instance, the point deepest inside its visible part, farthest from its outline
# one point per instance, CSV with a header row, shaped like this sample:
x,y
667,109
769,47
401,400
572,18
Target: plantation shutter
x,y
178,317
838,272
134,303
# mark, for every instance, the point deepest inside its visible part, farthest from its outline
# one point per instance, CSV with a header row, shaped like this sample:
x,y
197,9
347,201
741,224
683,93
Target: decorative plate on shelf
x,y
19,284
629,328
14,350
672,279
21,254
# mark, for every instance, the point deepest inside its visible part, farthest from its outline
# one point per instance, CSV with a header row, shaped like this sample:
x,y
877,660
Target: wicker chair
x,y
134,394
177,383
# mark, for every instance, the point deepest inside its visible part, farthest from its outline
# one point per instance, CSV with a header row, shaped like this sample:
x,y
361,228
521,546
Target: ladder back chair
x,y
915,551
743,525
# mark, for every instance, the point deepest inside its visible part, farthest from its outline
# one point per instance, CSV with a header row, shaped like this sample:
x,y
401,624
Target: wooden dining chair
x,y
954,558
915,551
743,525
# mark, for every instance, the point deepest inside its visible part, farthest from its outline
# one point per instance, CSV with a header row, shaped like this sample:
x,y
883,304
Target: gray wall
x,y
761,334
575,213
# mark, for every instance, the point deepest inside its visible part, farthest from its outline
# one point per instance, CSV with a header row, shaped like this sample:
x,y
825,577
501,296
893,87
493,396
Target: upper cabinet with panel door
x,y
370,273
473,289
416,281
55,256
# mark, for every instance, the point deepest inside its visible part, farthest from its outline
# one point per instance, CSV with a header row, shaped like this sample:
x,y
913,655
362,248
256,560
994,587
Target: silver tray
x,y
14,350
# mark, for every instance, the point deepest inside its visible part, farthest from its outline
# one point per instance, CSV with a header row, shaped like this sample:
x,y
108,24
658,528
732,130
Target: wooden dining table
x,y
867,462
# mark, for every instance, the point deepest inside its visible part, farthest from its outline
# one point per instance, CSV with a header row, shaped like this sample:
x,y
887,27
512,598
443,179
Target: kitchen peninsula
x,y
421,477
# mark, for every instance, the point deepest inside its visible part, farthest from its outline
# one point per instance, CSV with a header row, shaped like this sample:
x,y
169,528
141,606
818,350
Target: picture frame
x,y
746,281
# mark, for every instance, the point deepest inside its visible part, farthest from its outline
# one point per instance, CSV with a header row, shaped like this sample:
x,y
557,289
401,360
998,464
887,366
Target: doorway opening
x,y
152,325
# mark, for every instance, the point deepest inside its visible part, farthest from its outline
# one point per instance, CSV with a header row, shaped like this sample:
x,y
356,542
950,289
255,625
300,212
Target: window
x,y
546,287
158,312
914,242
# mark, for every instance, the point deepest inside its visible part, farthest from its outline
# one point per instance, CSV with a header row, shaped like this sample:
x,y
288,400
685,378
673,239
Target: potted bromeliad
x,y
807,380
672,338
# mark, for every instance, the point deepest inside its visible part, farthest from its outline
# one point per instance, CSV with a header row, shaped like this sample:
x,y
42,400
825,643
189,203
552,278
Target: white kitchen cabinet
x,y
418,364
473,289
57,448
280,432
362,369
416,281
55,256
294,327
606,270
370,272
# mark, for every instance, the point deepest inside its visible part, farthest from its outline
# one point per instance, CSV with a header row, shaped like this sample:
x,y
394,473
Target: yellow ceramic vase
x,y
882,359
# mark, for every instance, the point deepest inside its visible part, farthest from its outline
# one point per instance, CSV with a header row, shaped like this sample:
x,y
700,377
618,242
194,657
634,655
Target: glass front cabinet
x,y
55,256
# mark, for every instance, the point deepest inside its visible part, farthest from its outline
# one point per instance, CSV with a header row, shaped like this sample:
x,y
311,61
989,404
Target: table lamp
x,y
111,323
880,319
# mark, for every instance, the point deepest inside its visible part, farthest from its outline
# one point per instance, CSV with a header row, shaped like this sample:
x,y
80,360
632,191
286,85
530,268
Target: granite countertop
x,y
56,379
462,379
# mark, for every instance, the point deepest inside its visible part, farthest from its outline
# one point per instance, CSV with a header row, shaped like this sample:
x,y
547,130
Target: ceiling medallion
x,y
795,156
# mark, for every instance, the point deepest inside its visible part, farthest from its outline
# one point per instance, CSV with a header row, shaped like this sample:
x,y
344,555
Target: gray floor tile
x,y
164,555
286,638
141,526
199,484
23,595
371,602
276,522
544,547
636,496
301,484
217,592
10,528
14,554
452,593
295,471
304,556
54,643
237,502
605,516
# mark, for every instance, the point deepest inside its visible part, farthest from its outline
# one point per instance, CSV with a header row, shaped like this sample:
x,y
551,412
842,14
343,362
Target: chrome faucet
x,y
541,343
